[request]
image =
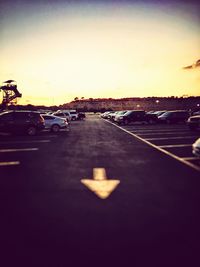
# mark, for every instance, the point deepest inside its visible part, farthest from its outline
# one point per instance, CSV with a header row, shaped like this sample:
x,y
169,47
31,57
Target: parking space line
x,y
159,133
191,165
190,158
18,149
49,136
167,138
9,163
27,141
160,130
5,134
171,146
154,128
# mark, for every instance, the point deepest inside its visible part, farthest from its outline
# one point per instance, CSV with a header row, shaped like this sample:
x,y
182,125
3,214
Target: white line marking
x,y
5,134
160,133
159,148
17,150
27,141
159,130
191,158
182,145
9,163
50,136
146,127
166,138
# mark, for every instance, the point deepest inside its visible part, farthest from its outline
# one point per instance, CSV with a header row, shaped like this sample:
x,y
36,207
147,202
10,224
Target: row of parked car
x,y
176,116
69,115
32,122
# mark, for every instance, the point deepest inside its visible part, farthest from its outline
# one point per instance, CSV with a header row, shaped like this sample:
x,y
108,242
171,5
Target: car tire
x,y
31,130
55,128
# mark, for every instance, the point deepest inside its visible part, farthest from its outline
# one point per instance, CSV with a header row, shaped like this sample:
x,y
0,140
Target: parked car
x,y
112,115
54,123
28,122
196,148
81,116
175,116
120,113
71,113
159,112
136,116
194,122
105,114
64,115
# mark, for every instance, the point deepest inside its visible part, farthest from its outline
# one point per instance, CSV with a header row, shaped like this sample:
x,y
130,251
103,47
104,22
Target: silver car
x,y
54,123
119,113
64,115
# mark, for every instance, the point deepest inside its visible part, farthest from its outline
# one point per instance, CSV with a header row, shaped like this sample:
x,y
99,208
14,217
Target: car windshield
x,y
165,114
128,112
121,112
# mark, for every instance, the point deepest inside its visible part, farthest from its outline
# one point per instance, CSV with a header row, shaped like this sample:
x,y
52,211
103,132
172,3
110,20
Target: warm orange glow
x,y
136,50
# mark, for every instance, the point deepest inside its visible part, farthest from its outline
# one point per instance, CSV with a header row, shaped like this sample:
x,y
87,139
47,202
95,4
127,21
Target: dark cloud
x,y
193,66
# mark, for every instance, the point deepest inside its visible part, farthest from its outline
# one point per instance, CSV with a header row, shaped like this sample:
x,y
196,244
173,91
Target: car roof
x,y
134,110
50,115
178,111
19,111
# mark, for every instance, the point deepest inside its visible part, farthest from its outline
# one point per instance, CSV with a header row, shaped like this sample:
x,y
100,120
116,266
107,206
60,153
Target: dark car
x,y
136,116
194,122
28,122
81,116
175,116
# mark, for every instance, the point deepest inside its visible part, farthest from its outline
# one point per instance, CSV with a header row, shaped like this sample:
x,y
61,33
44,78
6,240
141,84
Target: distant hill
x,y
147,103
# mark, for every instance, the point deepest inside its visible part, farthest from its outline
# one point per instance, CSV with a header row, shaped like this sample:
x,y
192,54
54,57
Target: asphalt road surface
x,y
49,216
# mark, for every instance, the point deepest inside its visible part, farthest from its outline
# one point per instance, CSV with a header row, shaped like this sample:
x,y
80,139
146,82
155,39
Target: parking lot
x,y
53,187
20,149
174,140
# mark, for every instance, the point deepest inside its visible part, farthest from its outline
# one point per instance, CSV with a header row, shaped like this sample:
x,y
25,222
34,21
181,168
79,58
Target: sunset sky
x,y
58,50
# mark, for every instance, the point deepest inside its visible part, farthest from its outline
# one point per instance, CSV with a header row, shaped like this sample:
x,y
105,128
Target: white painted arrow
x,y
100,185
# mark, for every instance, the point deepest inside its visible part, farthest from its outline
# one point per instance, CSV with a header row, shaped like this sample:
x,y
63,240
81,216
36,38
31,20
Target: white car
x,y
62,114
120,113
72,113
196,148
194,122
54,123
